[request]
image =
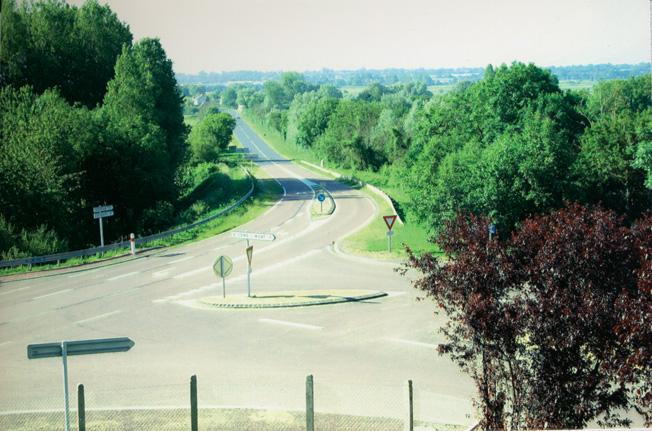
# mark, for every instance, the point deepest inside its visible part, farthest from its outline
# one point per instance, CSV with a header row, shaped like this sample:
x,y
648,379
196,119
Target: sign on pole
x,y
389,221
99,213
253,235
222,266
250,255
74,348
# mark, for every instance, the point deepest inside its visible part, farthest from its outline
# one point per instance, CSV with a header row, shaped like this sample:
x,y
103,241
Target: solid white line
x,y
101,316
123,276
297,325
52,294
413,343
181,260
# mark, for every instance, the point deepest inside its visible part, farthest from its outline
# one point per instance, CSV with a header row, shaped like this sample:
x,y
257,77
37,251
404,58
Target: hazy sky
x,y
300,35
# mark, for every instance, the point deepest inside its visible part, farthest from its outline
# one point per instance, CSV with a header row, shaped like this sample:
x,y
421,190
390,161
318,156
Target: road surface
x,y
371,344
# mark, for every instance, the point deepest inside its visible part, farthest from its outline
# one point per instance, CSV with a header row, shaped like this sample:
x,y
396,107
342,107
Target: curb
x,y
266,300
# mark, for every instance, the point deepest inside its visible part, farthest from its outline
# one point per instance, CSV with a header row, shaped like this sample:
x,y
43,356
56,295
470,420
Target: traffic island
x,y
300,298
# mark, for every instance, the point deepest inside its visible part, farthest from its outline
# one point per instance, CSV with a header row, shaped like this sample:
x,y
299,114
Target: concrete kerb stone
x,y
302,298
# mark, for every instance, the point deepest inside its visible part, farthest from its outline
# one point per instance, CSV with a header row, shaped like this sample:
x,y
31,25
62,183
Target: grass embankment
x,y
213,194
370,241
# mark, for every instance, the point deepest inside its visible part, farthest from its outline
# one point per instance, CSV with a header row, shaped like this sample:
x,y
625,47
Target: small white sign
x,y
253,235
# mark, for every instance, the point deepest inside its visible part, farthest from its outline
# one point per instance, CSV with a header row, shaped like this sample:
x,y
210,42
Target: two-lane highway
x,y
377,342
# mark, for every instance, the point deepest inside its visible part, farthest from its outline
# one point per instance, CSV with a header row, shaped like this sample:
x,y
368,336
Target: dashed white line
x,y
181,260
123,276
160,273
196,271
297,325
101,316
52,294
413,343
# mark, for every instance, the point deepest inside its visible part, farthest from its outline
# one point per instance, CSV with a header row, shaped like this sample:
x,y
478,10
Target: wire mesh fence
x,y
242,407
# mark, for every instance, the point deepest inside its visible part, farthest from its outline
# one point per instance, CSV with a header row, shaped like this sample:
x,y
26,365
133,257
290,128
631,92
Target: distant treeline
x,y
442,76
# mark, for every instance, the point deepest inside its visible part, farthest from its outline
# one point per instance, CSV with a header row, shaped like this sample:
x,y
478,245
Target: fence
x,y
205,406
125,244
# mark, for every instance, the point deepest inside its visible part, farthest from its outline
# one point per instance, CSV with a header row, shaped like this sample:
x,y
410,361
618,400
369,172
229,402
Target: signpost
x,y
389,221
321,198
250,255
222,266
101,212
74,348
250,250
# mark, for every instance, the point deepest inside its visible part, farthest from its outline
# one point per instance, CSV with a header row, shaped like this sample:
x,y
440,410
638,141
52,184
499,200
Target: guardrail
x,y
125,244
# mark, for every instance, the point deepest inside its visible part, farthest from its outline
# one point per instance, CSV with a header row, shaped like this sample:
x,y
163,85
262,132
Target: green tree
x,y
212,136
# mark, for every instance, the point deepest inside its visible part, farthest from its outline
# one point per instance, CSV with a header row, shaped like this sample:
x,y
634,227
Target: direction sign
x,y
321,197
102,209
103,214
389,221
86,347
254,235
222,266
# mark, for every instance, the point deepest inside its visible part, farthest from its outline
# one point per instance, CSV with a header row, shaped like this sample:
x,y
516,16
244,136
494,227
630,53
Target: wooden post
x,y
81,408
409,405
310,404
194,418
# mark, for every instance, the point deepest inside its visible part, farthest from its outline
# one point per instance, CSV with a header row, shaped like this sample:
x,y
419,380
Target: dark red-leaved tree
x,y
553,324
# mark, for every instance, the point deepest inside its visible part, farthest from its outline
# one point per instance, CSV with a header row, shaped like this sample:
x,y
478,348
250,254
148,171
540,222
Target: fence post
x,y
310,404
409,405
81,408
194,419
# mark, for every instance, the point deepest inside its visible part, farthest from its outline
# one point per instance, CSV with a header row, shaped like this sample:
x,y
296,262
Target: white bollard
x,y
133,244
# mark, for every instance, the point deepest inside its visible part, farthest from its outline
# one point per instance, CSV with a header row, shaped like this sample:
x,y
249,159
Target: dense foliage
x,y
553,324
88,119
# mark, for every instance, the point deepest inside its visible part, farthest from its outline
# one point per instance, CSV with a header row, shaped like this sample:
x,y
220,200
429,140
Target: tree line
x,y
88,118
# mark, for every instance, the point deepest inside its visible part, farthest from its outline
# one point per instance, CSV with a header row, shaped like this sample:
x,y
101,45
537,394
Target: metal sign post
x,y
101,212
222,266
74,348
389,221
250,255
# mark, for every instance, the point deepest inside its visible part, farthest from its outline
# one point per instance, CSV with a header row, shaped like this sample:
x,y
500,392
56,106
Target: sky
x,y
308,35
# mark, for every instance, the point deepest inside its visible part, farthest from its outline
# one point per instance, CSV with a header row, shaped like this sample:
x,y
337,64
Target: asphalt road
x,y
376,343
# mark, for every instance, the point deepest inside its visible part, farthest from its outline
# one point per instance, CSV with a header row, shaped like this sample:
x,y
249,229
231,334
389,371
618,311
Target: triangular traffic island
x,y
298,298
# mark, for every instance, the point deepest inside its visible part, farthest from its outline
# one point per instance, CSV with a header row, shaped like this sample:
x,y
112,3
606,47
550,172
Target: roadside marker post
x,y
74,348
389,221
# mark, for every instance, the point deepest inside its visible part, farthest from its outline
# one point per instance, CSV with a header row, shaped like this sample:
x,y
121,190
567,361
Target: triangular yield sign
x,y
389,221
250,254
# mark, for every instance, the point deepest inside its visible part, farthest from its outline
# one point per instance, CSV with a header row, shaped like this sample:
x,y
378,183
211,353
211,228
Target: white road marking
x,y
16,290
52,294
160,274
123,276
101,316
187,293
181,260
196,271
83,272
297,325
413,343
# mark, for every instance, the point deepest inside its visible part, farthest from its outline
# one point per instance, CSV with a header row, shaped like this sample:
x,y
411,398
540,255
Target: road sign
x,y
222,266
253,235
250,254
321,197
102,209
103,214
74,348
389,221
